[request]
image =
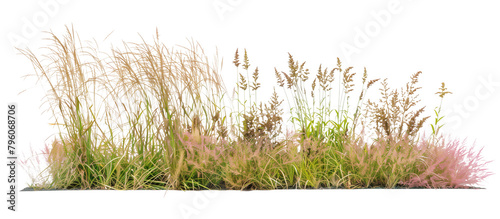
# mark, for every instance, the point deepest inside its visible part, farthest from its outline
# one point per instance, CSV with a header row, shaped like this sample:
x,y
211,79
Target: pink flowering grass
x,y
391,162
449,164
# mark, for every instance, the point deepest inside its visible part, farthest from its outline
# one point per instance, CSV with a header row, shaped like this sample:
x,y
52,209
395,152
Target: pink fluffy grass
x,y
449,164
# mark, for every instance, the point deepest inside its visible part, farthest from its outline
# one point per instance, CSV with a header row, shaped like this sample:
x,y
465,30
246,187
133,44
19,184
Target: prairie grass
x,y
147,116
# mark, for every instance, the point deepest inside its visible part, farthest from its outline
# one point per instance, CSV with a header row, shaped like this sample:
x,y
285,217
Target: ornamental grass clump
x,y
384,163
313,112
448,164
147,116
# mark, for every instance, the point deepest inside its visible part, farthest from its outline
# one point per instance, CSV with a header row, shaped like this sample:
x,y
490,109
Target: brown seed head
x,y
246,62
280,80
371,82
255,76
443,91
243,82
365,75
236,59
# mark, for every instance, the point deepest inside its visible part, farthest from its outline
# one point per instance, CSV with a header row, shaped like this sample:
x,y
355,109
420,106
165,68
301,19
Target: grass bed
x,y
146,116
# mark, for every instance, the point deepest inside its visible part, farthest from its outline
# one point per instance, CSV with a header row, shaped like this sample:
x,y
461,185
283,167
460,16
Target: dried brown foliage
x,y
263,122
396,113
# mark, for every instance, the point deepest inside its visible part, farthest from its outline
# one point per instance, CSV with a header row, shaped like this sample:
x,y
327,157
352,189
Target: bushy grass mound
x,y
146,116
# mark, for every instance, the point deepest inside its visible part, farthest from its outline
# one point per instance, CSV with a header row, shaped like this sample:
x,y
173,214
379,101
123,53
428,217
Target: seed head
x,y
255,76
236,59
443,91
245,61
280,80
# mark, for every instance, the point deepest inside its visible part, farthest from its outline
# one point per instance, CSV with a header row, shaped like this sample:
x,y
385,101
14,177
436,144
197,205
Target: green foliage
x,y
443,91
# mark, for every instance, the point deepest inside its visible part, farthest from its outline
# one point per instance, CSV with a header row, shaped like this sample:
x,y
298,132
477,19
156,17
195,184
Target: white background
x,y
457,42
